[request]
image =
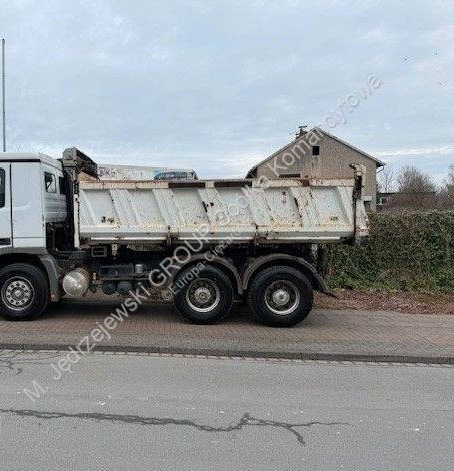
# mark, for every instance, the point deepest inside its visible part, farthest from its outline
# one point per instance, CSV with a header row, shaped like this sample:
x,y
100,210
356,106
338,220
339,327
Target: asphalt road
x,y
134,412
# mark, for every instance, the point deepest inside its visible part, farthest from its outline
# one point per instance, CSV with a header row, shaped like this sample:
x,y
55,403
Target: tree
x,y
416,189
412,180
447,192
386,179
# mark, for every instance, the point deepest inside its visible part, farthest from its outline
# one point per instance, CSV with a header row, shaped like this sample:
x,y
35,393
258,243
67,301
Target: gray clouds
x,y
219,85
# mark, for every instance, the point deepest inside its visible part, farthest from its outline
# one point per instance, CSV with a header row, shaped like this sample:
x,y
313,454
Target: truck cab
x,y
32,196
33,208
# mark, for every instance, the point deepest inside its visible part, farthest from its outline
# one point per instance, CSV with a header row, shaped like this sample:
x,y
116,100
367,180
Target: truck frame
x,y
204,244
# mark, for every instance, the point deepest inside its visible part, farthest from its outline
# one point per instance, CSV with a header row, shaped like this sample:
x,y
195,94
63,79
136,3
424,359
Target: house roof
x,y
326,133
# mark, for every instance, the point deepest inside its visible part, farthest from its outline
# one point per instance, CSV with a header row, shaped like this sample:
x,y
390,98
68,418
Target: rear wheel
x,y
24,292
205,298
280,297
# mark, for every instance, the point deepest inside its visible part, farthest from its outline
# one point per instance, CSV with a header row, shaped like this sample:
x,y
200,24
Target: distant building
x,y
138,172
400,199
383,199
319,154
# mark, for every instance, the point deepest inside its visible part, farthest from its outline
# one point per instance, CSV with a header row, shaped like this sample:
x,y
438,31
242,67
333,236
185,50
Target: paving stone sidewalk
x,y
325,334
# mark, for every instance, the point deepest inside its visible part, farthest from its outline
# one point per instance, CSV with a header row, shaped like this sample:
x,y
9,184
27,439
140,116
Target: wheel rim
x,y
282,297
203,295
17,293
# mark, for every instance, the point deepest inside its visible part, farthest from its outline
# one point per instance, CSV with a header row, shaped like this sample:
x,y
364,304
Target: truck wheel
x,y
280,297
24,292
204,299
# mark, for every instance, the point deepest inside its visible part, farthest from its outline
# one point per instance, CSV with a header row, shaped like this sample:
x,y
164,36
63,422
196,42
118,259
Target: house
x,y
317,153
402,199
384,199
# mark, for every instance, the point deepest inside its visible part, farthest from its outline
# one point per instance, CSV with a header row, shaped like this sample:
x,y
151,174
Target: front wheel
x,y
280,297
24,292
205,298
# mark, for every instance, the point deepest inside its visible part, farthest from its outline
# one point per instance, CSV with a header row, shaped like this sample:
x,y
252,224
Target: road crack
x,y
247,420
14,361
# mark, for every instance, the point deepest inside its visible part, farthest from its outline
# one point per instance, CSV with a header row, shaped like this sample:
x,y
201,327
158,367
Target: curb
x,y
379,358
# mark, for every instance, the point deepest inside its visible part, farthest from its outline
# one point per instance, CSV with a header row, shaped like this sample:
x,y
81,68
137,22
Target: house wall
x,y
333,162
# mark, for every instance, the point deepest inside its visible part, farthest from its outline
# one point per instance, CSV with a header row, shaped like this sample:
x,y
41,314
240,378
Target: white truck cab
x,y
32,204
32,194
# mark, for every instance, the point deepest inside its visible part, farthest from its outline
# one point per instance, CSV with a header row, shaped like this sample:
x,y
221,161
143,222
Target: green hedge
x,y
411,251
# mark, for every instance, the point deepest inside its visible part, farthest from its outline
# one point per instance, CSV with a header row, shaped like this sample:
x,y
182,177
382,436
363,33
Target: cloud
x,y
219,85
442,150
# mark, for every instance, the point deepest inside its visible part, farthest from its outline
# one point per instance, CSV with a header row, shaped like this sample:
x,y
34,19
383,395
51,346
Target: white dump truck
x,y
204,244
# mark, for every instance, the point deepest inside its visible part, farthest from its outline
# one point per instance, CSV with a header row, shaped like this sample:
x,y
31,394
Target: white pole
x,y
3,96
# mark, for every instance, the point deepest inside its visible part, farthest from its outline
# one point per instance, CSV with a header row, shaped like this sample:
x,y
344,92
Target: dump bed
x,y
241,211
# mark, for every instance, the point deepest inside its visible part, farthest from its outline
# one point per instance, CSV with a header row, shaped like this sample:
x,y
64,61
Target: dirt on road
x,y
409,303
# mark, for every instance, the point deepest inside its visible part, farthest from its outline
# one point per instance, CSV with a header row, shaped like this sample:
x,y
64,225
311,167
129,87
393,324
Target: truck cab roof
x,y
30,157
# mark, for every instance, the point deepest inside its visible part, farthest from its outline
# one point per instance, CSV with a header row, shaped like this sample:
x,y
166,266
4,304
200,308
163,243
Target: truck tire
x,y
24,292
205,298
280,297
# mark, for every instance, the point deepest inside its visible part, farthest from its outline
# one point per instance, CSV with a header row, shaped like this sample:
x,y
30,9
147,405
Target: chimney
x,y
301,131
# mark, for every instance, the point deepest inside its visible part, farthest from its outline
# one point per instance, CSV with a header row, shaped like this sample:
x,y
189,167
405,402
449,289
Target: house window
x,y
62,185
315,150
51,184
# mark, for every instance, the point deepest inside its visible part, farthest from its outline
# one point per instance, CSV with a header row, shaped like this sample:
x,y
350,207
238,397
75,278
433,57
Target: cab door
x,y
5,206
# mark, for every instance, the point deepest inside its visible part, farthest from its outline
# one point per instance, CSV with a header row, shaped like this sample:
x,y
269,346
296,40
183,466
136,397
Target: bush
x,y
412,251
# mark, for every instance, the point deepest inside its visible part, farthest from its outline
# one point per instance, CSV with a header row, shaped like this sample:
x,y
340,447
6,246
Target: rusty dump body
x,y
296,211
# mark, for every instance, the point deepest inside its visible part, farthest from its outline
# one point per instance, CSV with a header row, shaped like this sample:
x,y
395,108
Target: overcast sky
x,y
219,85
